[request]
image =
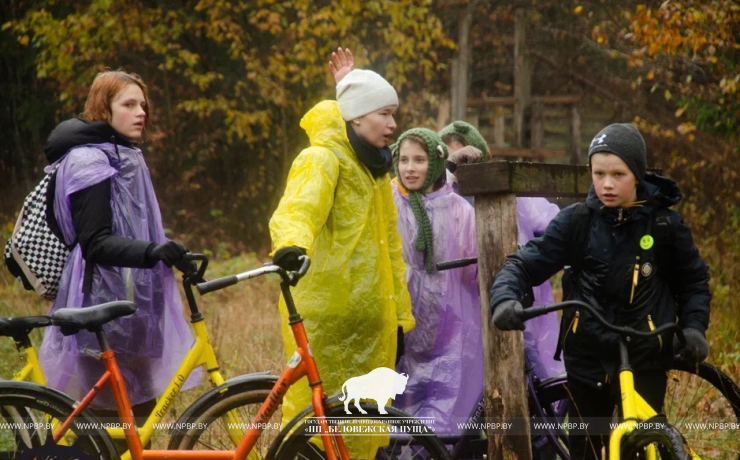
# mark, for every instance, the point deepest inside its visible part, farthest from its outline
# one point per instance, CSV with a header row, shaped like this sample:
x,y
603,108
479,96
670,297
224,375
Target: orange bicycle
x,y
47,420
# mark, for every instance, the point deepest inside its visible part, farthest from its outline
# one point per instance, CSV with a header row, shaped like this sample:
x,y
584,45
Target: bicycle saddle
x,y
20,327
72,320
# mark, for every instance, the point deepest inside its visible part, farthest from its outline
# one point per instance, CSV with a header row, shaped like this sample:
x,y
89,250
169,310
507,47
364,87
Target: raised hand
x,y
341,63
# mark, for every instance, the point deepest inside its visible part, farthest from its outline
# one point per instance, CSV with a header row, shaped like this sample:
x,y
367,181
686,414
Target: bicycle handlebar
x,y
465,261
192,257
528,313
291,277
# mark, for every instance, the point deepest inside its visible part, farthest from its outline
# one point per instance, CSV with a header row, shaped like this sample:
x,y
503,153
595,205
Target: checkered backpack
x,y
34,253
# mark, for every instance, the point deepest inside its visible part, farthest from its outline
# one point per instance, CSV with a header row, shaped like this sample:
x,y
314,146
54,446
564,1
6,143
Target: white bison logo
x,y
380,384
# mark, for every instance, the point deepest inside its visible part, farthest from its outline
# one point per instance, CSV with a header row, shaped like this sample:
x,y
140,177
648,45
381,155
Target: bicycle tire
x,y
299,445
698,398
31,407
548,403
206,424
670,443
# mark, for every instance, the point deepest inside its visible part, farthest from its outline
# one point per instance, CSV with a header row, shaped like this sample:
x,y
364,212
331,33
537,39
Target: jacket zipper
x,y
574,323
635,277
651,325
573,326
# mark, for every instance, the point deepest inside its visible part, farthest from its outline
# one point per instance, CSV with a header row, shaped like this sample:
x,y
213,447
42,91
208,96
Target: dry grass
x,y
243,323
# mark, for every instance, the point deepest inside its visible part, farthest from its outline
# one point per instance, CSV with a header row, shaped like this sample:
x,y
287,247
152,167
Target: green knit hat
x,y
437,154
468,132
436,151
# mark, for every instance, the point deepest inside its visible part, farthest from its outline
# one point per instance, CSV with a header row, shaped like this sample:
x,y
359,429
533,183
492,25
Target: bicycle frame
x,y
634,407
201,353
300,364
31,371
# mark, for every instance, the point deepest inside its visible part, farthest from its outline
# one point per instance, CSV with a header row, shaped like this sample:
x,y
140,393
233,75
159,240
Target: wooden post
x,y
443,114
575,135
499,128
537,124
522,78
505,391
461,63
495,186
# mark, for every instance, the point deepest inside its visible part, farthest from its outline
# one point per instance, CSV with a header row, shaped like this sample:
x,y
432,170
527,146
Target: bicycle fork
x,y
634,407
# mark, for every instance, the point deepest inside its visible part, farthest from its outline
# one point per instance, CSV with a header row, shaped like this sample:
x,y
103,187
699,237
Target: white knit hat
x,y
363,91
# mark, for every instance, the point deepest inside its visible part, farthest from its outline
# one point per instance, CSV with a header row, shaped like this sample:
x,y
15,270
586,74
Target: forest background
x,y
230,80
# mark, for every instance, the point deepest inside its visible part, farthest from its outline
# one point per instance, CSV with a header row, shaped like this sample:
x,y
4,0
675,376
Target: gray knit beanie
x,y
624,141
363,91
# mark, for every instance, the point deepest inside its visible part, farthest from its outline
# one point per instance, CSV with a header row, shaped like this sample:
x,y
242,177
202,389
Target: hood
x,y
656,191
76,131
324,125
661,192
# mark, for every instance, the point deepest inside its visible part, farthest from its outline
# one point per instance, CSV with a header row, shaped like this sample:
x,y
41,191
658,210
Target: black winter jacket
x,y
674,288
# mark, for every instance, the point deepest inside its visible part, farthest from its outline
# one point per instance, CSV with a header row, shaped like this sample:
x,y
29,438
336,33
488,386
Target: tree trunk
x,y
461,64
522,79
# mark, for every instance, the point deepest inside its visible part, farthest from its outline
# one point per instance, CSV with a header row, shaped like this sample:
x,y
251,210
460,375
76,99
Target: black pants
x,y
595,406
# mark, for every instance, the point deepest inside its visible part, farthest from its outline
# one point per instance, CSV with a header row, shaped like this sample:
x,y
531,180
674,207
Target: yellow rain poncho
x,y
354,297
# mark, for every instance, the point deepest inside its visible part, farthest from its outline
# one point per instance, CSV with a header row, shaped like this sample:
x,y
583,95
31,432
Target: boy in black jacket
x,y
619,270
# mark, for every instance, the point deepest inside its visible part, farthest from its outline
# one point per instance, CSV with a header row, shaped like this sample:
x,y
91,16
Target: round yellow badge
x,y
646,242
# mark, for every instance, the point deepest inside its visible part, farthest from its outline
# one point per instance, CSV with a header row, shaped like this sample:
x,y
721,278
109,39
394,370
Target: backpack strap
x,y
51,218
580,225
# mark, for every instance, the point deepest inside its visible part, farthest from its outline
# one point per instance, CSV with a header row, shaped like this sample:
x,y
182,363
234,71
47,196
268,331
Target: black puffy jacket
x,y
674,287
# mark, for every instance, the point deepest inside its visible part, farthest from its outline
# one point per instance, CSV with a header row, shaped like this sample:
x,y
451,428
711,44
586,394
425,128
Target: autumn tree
x,y
229,82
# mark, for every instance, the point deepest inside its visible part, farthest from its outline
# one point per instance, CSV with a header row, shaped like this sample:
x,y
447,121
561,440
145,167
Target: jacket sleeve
x,y
398,266
92,220
534,263
689,279
307,201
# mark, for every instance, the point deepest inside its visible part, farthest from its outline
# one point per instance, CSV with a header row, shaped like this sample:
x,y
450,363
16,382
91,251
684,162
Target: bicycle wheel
x,y
704,405
548,405
219,419
30,414
405,440
667,440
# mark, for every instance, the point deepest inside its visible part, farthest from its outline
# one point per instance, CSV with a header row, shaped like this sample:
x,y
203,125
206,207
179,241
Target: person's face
x,y
127,112
413,164
454,145
376,128
614,182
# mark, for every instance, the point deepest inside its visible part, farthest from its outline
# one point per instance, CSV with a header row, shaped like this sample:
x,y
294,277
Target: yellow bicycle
x,y
642,431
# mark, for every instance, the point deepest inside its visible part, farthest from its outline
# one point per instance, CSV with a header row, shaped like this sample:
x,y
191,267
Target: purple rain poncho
x,y
443,353
150,344
541,333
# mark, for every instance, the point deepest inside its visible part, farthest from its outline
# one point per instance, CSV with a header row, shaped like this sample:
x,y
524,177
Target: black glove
x,y
696,349
400,348
170,253
187,267
287,258
505,317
